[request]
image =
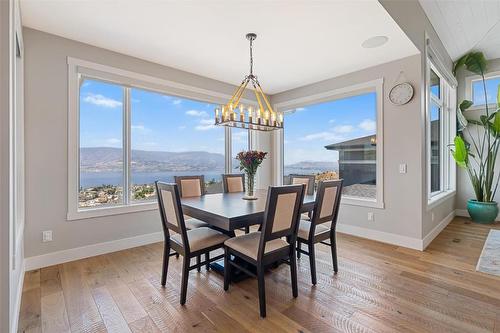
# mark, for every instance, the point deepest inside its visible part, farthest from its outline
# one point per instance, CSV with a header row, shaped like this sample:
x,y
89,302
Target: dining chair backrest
x,y
233,183
326,207
190,186
307,180
282,213
171,215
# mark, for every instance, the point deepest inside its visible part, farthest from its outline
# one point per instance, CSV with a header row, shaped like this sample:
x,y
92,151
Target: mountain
x,y
313,165
99,159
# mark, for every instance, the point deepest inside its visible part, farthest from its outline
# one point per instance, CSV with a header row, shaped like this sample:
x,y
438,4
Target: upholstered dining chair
x,y
322,224
234,183
308,181
188,243
265,247
190,186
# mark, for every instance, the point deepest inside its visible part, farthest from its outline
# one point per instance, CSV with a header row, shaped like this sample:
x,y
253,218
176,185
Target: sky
x,y
309,129
491,91
169,123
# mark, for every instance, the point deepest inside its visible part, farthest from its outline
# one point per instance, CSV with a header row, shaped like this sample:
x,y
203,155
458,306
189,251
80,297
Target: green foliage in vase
x,y
476,151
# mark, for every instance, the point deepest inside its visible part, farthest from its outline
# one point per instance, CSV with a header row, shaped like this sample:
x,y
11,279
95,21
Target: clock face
x,y
401,94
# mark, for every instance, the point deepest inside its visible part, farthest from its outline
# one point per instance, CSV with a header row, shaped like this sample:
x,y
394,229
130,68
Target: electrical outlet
x,y
47,236
402,168
371,216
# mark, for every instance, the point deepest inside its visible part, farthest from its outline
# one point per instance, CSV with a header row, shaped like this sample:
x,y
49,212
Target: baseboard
x,y
60,257
465,213
381,236
437,229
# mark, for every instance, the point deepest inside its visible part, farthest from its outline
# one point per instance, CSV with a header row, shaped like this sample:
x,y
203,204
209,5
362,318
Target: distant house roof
x,y
363,142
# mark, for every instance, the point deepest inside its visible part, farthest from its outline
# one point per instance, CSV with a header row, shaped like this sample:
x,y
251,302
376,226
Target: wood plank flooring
x,y
379,288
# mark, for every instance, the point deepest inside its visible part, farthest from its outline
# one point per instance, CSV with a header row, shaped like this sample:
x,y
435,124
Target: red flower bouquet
x,y
249,163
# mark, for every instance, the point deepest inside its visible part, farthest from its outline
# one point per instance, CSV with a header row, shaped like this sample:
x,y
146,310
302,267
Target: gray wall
x,y
465,191
46,143
4,166
402,137
411,18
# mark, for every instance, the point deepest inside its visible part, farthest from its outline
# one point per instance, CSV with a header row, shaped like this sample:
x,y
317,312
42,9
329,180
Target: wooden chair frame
x,y
178,180
315,220
286,254
183,250
312,180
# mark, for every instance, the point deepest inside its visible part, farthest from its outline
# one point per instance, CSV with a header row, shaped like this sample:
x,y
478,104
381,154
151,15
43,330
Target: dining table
x,y
228,212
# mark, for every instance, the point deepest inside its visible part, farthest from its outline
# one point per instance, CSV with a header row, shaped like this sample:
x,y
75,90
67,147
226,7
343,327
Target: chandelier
x,y
261,117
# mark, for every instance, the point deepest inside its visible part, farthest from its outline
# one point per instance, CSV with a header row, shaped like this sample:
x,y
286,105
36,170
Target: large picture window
x,y
124,136
338,137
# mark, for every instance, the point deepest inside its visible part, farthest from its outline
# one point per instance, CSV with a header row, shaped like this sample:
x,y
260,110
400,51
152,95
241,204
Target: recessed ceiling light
x,y
374,42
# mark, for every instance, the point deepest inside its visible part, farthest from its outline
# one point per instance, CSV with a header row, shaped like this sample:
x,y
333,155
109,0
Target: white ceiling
x,y
464,25
299,42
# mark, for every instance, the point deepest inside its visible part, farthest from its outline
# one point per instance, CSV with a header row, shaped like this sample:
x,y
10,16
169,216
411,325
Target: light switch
x,y
402,168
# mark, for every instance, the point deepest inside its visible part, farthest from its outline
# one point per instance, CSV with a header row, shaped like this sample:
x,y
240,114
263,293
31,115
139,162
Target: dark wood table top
x,y
229,211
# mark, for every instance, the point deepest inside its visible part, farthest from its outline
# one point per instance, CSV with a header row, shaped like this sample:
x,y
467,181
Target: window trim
x,y
376,86
447,115
469,80
127,79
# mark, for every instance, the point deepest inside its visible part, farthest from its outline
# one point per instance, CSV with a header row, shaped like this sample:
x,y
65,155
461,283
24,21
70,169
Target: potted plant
x,y
249,163
476,151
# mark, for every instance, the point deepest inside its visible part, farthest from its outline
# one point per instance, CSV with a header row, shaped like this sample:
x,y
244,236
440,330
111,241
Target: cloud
x,y
196,113
101,100
177,101
323,136
343,129
138,127
113,141
300,109
368,125
205,125
240,136
181,127
331,121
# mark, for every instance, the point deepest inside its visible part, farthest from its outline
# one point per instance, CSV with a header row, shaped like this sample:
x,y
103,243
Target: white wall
x,y
46,145
401,217
464,188
411,18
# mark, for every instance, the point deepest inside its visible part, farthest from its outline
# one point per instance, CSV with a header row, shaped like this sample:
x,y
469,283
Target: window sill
x,y
108,211
439,198
355,201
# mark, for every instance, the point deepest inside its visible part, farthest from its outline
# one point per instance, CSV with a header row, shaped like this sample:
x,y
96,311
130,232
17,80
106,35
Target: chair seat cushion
x,y
249,244
194,223
201,238
305,226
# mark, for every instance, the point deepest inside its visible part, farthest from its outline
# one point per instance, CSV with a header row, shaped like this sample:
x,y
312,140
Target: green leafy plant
x,y
476,151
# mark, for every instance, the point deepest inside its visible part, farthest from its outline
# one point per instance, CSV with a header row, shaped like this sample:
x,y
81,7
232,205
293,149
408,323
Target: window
x,y
492,84
338,137
240,142
123,138
441,101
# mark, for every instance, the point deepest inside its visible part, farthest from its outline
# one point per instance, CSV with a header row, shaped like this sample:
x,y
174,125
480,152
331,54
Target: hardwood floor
x,y
379,288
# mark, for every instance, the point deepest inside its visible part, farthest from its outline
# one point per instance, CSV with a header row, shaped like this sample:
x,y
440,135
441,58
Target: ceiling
x,y
465,25
299,42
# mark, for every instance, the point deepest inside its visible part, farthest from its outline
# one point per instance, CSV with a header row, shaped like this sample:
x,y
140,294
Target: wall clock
x,y
401,93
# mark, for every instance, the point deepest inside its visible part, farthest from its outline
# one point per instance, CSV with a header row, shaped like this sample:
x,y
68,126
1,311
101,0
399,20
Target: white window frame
x,y
127,79
469,81
447,105
376,86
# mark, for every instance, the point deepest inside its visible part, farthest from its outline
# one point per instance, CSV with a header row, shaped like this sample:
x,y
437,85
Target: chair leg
x,y
184,282
262,290
247,229
312,262
227,269
207,259
333,246
293,272
176,255
166,257
299,244
198,260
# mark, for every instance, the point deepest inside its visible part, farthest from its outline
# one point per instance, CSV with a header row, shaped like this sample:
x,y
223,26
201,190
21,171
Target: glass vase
x,y
250,186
